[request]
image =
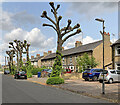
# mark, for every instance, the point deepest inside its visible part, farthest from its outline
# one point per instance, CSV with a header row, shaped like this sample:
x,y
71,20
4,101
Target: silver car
x,y
110,76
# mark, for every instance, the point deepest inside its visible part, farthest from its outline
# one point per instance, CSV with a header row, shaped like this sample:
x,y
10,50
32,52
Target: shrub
x,y
36,70
55,80
29,75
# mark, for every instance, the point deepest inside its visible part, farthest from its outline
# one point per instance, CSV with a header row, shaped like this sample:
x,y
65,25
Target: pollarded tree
x,y
16,51
26,46
11,55
61,32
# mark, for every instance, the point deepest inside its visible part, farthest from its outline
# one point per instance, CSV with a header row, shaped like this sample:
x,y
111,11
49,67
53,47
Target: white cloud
x,y
34,37
11,21
71,42
6,21
88,10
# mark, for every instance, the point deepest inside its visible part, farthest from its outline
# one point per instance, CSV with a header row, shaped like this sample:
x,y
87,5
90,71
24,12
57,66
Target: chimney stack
x,y
32,57
78,43
24,60
37,55
49,52
62,48
107,36
45,54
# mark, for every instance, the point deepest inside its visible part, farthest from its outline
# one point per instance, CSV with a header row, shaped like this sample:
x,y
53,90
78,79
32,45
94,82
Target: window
x,y
63,60
118,66
75,57
118,71
113,72
118,50
70,59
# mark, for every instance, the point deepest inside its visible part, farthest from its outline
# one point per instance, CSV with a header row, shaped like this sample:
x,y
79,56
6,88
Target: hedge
x,y
55,80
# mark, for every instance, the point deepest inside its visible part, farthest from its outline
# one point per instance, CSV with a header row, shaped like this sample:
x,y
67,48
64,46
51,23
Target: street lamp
x,y
103,84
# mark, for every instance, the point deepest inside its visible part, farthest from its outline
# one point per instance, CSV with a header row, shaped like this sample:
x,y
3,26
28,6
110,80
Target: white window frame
x,y
116,66
70,59
116,50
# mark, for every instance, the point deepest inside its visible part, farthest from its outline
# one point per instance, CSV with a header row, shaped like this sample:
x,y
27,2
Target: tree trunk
x,y
27,54
59,44
20,58
17,61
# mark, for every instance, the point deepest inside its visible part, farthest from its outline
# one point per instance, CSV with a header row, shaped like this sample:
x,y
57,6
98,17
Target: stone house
x,y
94,49
36,61
116,55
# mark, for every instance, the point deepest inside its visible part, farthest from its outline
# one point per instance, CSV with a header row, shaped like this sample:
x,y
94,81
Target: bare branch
x,y
59,18
71,29
69,22
50,26
58,6
77,32
101,32
44,15
52,5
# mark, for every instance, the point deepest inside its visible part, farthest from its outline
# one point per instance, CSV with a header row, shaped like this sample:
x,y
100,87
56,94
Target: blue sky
x,y
21,20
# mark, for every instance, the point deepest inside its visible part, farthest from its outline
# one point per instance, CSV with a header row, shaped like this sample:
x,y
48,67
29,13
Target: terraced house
x,y
92,49
116,55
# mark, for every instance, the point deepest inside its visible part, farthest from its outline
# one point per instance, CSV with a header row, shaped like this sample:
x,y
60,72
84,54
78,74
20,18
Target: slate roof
x,y
75,50
117,42
35,59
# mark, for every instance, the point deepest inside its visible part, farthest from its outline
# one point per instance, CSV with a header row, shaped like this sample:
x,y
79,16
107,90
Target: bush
x,y
29,75
55,80
36,70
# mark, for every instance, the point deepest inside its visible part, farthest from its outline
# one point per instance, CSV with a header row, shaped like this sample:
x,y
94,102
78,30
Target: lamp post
x,y
103,84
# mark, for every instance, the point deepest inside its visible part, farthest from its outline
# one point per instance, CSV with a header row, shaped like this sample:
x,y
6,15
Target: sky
x,y
21,20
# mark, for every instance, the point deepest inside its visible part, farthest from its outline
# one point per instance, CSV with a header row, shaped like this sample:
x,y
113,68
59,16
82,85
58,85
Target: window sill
x,y
117,55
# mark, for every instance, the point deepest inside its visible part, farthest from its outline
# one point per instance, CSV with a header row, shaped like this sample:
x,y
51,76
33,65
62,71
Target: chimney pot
x,y
49,52
32,57
78,43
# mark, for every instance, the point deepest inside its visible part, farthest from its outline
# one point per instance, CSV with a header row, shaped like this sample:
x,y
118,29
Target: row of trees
x,y
17,48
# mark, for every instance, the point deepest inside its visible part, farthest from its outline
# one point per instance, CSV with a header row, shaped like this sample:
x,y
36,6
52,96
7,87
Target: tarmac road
x,y
23,91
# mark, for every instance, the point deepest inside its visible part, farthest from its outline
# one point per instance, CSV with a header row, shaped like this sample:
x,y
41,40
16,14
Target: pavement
x,y
24,91
86,88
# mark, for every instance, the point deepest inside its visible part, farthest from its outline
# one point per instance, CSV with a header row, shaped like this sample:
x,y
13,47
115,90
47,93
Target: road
x,y
23,91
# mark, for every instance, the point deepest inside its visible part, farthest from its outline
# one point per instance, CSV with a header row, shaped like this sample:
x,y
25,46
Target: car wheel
x,y
14,77
86,79
110,81
94,78
25,77
101,81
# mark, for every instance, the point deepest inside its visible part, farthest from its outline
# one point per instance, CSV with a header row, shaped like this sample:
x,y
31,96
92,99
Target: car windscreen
x,y
104,71
22,72
87,70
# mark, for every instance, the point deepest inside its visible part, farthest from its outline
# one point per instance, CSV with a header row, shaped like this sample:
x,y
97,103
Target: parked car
x,y
46,72
110,76
67,70
20,74
49,72
91,74
6,72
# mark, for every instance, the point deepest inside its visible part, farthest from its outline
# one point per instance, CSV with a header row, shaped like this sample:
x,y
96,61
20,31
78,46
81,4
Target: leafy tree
x,y
86,62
